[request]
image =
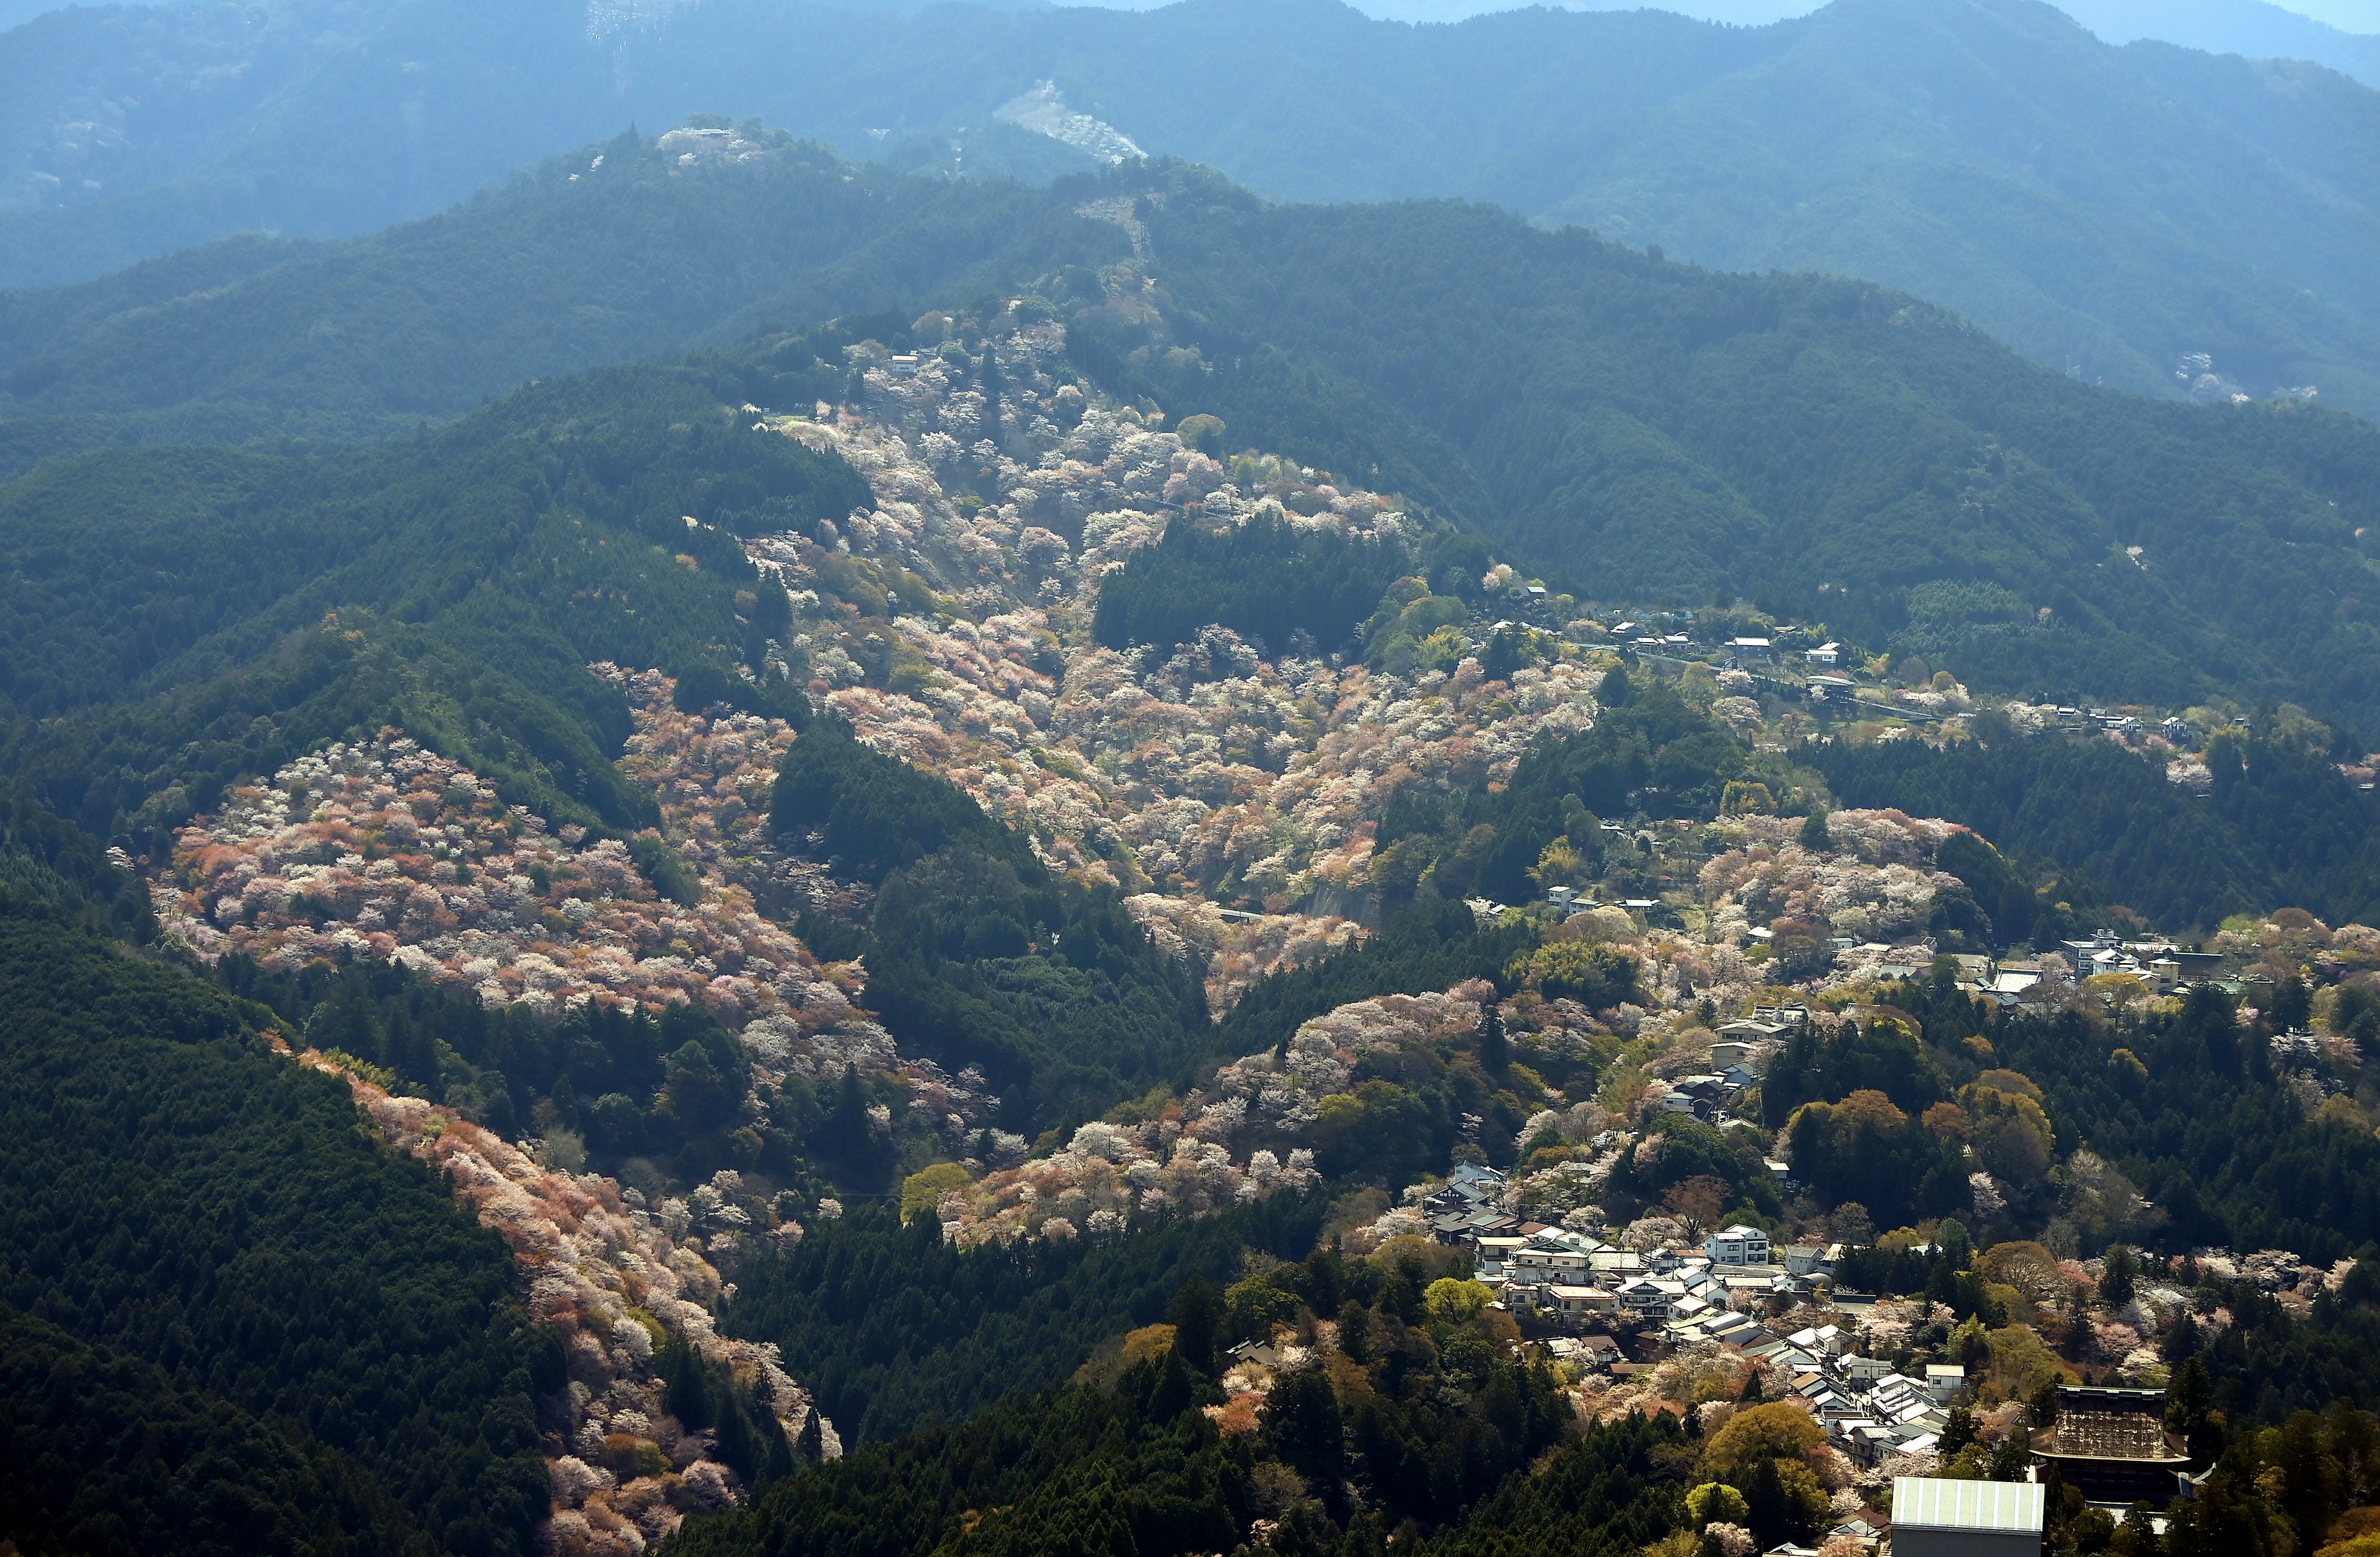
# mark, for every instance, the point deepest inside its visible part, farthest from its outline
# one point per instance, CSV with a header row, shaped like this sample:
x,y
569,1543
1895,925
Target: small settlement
x,y
1738,1295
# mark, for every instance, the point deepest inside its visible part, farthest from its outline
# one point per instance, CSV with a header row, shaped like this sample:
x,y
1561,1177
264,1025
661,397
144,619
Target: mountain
x,y
2148,217
617,252
135,131
1633,428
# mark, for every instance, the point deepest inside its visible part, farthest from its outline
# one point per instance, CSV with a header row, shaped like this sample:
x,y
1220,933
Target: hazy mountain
x,y
2109,212
131,132
2252,28
2233,27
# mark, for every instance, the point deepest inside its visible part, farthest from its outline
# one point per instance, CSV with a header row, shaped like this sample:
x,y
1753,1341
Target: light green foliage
x,y
1452,1301
1716,1500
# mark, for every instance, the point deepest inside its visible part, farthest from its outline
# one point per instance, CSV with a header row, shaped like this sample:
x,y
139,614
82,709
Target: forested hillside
x,y
609,255
2278,823
898,1330
232,1322
1828,449
1422,1419
481,569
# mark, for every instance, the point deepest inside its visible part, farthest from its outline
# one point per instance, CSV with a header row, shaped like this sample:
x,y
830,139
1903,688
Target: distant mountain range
x,y
2334,35
2142,216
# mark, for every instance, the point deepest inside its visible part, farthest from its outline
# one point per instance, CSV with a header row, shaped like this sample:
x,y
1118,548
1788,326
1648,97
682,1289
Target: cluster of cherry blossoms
x,y
1218,770
1238,950
613,1278
1110,1177
1874,882
390,851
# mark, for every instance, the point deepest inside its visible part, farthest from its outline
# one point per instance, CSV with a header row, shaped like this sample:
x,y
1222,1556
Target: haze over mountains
x,y
2339,34
2115,213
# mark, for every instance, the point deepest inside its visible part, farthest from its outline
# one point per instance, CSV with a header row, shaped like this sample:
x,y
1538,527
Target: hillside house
x,y
1738,1246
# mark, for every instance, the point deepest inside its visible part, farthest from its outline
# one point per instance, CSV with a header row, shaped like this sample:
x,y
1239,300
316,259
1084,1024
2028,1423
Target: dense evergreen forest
x,y
2189,1103
1264,580
1427,1416
2278,825
895,1330
978,953
233,1321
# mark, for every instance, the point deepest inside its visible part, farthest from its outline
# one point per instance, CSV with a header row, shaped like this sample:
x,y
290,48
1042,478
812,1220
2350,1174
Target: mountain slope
x,y
1654,432
142,130
2111,211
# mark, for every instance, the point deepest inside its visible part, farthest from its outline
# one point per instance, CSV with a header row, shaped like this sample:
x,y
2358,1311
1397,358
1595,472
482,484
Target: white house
x,y
1737,1245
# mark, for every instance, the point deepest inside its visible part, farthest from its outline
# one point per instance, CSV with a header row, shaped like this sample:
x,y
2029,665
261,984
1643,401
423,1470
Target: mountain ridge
x,y
1900,144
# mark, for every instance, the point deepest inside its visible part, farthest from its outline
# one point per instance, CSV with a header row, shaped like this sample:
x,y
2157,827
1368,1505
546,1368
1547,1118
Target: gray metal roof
x,y
1925,1502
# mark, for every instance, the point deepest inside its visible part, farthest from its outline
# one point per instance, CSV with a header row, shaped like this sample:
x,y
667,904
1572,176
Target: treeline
x,y
977,954
892,1329
232,1317
1424,1414
2279,827
1270,581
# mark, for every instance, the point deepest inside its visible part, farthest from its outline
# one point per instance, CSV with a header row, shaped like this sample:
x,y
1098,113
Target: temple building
x,y
2111,1445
